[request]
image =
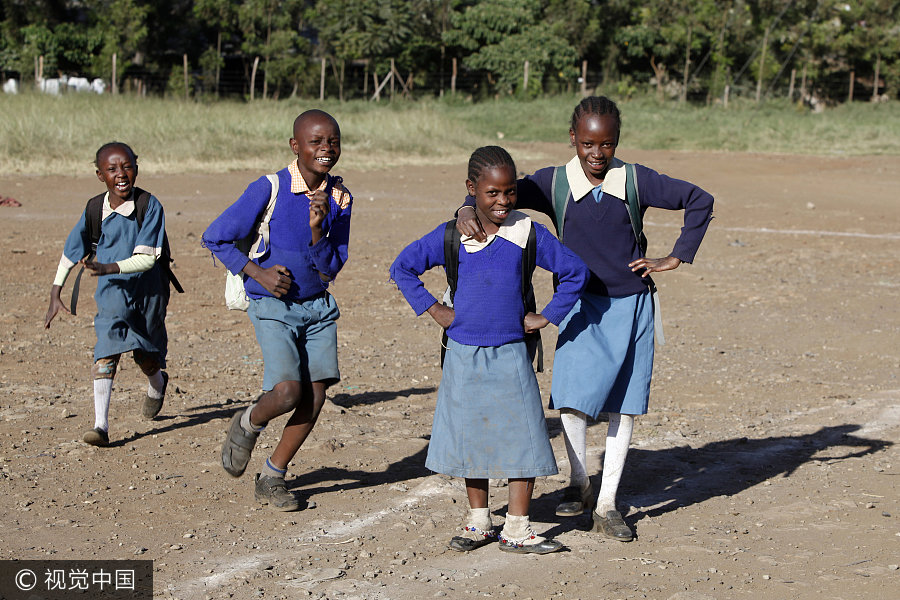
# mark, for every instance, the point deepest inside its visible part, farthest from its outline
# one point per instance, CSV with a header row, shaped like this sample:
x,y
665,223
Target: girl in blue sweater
x,y
604,353
498,432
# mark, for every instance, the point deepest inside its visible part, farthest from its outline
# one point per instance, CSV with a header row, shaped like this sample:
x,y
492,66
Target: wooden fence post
x,y
762,64
392,79
803,84
791,89
525,87
322,81
377,95
186,86
253,78
725,99
115,85
852,81
453,78
876,85
583,78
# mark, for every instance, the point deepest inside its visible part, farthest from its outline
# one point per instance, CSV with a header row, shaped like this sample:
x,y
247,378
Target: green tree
x,y
221,15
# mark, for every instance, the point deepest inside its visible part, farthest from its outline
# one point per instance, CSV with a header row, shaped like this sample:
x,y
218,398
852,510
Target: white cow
x,y
11,86
52,86
98,85
79,84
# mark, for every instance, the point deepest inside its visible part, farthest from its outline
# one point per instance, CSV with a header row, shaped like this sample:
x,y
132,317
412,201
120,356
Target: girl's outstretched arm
x,y
654,265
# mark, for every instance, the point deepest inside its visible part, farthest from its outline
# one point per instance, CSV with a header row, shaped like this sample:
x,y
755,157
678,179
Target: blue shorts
x,y
298,339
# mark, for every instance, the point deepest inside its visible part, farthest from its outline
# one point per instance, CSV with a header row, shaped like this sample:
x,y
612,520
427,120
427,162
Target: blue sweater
x,y
488,305
601,235
290,238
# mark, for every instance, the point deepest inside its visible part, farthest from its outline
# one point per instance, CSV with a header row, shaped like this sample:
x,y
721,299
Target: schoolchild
x,y
604,353
132,285
498,432
290,307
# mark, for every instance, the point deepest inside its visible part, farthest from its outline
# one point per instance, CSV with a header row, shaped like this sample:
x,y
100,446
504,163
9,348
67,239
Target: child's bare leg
x,y
299,426
520,491
477,491
478,530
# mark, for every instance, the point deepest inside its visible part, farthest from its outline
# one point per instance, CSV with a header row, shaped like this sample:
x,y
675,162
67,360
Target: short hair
x,y
597,106
488,157
110,145
314,112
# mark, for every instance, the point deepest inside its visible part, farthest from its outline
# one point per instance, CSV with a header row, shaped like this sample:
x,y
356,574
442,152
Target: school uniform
x,y
131,307
489,420
604,353
297,332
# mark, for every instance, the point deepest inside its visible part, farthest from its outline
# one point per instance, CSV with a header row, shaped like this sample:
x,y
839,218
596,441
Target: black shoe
x,y
612,526
575,501
272,491
96,437
152,406
542,547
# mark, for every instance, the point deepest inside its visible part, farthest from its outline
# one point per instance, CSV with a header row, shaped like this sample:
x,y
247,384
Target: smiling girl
x,y
132,288
604,353
498,432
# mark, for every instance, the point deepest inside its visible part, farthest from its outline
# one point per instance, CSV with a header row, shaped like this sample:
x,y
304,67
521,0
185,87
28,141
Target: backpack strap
x,y
452,241
262,228
141,202
93,214
529,258
633,202
560,192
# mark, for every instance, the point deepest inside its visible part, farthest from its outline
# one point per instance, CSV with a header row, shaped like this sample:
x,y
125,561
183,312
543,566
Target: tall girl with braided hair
x,y
604,354
498,431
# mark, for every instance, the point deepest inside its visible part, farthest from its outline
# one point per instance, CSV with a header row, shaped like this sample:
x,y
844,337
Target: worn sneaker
x,y
96,437
575,501
273,491
238,445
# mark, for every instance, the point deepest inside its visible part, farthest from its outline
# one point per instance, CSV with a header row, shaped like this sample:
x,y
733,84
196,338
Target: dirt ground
x,y
766,469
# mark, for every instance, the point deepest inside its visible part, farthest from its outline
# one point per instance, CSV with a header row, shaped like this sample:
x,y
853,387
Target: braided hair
x,y
486,158
598,106
110,145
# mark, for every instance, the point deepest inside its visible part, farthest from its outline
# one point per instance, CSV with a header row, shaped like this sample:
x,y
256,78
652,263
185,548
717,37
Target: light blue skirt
x,y
489,420
604,356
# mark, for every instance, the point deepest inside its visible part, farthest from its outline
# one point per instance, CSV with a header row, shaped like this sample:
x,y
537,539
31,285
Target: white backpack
x,y
235,295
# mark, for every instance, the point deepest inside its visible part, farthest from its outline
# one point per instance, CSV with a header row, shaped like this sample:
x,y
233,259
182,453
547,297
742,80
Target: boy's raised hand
x,y
56,305
442,315
535,321
276,279
468,224
319,204
654,265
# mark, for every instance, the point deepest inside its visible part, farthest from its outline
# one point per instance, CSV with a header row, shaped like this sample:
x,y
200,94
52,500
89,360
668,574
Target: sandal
x,y
238,445
472,539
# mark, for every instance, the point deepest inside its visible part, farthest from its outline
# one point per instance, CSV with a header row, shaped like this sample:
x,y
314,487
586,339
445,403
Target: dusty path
x,y
767,467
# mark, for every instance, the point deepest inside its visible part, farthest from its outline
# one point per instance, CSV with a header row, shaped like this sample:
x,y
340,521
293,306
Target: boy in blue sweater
x,y
498,432
291,310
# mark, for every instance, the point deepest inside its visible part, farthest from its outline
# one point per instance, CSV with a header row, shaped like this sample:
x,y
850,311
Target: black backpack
x,y
452,240
93,213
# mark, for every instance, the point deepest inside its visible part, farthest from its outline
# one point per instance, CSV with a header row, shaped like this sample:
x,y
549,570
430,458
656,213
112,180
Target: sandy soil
x,y
767,467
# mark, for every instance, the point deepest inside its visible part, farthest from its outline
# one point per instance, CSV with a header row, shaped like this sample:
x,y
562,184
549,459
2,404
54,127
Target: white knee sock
x,y
574,424
618,439
102,395
155,389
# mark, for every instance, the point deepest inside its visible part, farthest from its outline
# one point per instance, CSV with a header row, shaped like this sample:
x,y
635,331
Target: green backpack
x,y
561,193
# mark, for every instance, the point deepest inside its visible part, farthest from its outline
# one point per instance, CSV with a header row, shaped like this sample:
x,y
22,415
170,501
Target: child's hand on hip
x,y
653,265
442,315
535,321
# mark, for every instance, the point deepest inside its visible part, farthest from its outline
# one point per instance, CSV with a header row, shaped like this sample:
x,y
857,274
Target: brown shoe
x,y
575,501
273,491
152,406
96,437
612,526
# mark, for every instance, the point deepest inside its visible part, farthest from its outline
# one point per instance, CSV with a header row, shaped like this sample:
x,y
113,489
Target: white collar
x,y
125,209
515,228
613,182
